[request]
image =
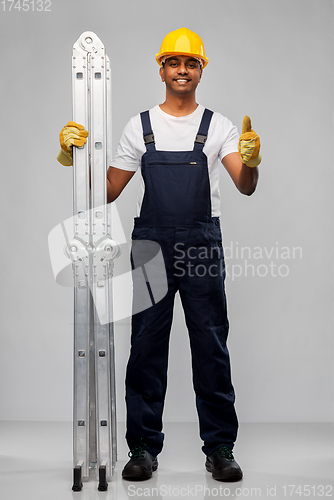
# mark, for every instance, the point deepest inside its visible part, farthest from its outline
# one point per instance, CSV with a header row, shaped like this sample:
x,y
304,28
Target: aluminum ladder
x,y
92,252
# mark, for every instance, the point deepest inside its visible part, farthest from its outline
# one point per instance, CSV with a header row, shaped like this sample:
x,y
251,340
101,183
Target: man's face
x,y
181,74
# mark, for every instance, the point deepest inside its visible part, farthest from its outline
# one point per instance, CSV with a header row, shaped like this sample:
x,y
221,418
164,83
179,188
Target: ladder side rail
x,y
110,283
82,278
100,286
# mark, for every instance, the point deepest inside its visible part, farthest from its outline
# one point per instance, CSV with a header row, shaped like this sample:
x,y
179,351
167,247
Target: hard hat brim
x,y
158,57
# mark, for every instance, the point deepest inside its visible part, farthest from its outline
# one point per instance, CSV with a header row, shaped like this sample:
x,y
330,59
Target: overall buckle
x,y
148,139
200,139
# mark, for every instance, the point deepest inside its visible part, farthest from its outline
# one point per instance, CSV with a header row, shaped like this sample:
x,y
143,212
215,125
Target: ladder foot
x,y
103,485
77,483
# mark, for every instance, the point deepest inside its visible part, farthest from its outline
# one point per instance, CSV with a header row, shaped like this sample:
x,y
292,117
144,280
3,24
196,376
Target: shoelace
x,y
225,452
138,451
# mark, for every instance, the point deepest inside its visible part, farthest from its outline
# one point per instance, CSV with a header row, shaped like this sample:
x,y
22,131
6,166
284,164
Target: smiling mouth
x,y
181,80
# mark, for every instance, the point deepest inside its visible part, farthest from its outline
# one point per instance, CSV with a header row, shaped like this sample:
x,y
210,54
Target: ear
x,y
162,74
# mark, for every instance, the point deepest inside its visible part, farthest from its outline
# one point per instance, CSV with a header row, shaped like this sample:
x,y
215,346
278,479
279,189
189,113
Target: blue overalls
x,y
176,213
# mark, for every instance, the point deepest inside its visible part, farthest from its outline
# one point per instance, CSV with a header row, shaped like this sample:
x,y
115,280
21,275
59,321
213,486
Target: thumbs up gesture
x,y
249,144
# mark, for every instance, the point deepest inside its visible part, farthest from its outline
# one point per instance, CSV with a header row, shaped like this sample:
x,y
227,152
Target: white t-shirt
x,y
177,133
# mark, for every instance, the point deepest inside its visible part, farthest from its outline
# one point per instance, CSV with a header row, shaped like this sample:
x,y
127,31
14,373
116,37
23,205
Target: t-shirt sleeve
x,y
231,139
129,150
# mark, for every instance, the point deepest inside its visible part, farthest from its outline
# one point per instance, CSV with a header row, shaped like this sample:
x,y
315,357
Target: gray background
x,y
268,59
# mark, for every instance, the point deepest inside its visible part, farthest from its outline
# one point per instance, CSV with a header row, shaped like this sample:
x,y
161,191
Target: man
x,y
178,146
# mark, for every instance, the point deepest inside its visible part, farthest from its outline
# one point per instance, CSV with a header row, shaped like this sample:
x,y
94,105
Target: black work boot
x,y
223,466
141,464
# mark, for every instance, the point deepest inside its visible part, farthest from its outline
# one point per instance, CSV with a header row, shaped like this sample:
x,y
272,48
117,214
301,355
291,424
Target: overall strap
x,y
147,131
203,130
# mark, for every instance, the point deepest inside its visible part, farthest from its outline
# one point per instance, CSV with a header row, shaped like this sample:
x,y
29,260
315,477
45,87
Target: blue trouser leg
x,y
146,377
203,299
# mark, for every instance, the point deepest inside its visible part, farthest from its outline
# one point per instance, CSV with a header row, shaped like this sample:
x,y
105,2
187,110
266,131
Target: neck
x,y
179,105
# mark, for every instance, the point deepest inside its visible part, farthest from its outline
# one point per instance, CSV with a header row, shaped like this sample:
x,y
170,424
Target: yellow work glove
x,y
71,135
249,144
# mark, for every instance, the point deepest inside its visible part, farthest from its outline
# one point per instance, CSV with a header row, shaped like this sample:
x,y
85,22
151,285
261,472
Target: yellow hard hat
x,y
182,42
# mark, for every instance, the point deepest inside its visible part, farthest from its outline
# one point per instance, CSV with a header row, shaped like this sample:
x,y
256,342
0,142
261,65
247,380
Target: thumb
x,y
246,124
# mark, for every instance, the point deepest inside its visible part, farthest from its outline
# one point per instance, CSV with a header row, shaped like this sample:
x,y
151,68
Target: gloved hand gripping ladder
x,y
92,252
